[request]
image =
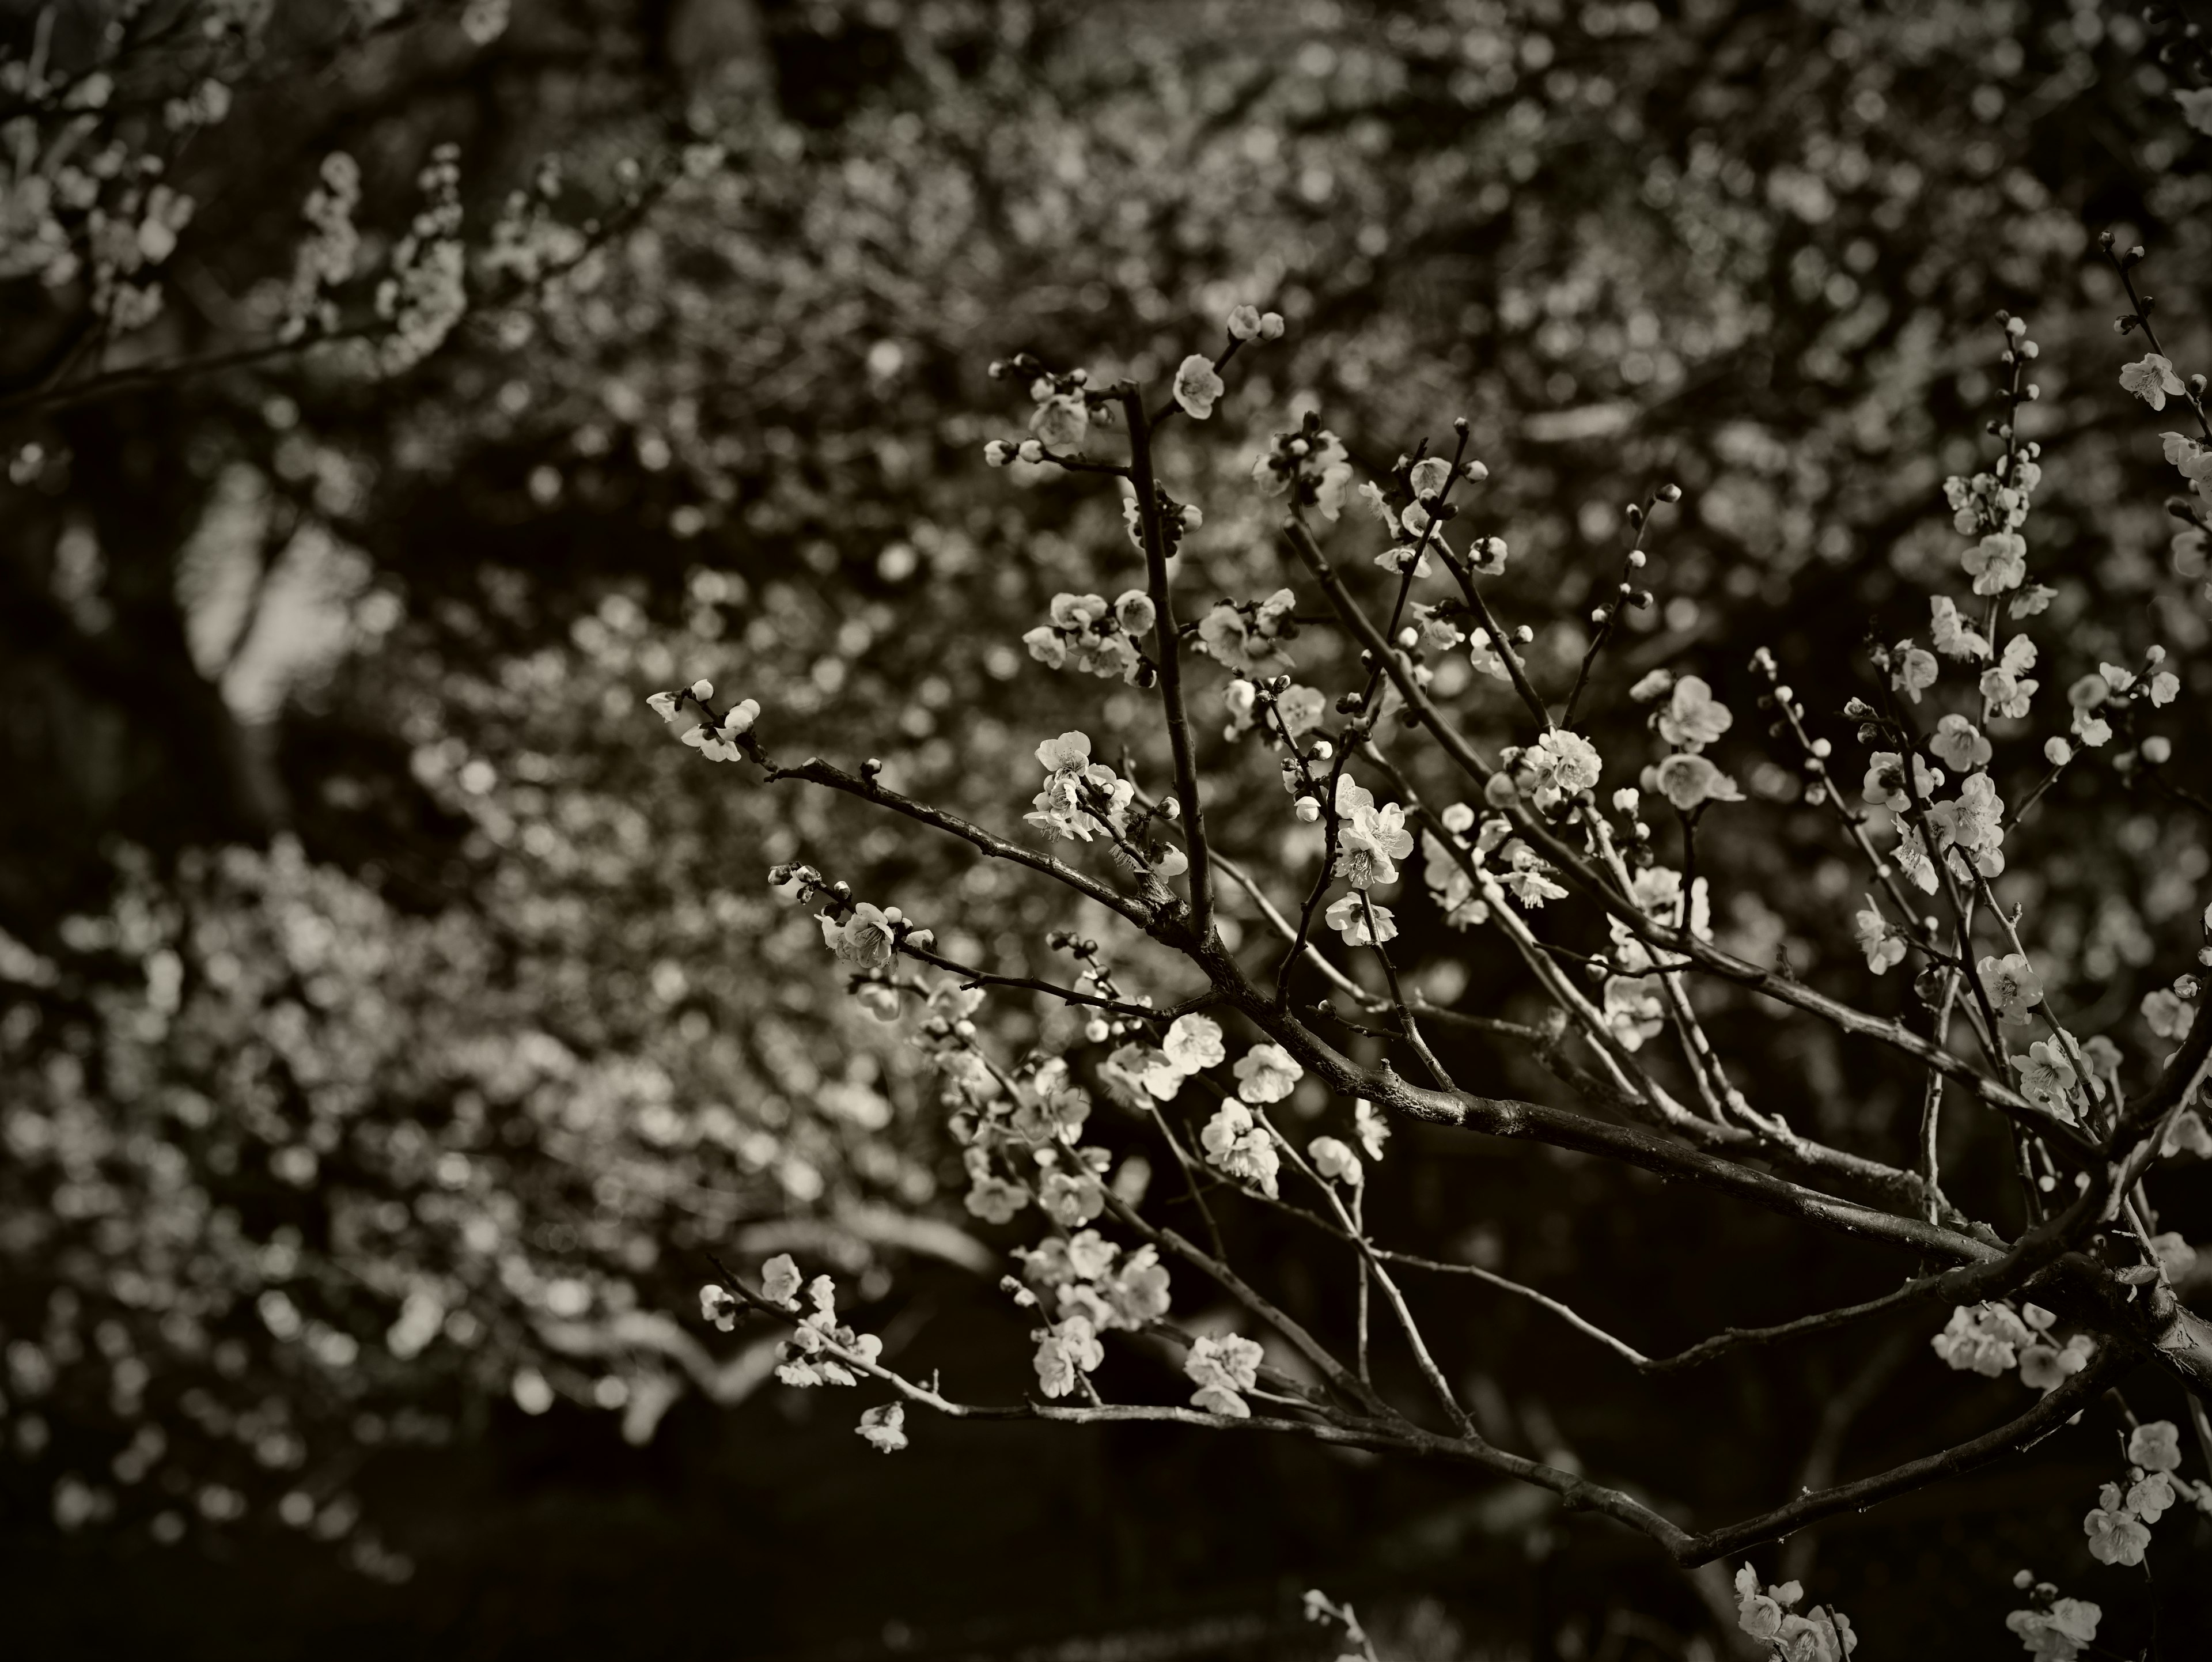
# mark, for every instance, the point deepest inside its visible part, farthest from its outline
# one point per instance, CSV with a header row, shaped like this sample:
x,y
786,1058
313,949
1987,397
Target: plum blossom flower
x,y
2059,1634
2165,1012
1071,1199
1561,763
1997,563
1694,718
1193,1044
1973,825
1373,1130
1759,1614
864,937
1221,1368
1235,1142
2045,1366
2188,1134
994,1199
1689,781
1243,322
1529,879
2006,686
2088,695
1247,645
1884,785
1266,1073
884,1427
1883,946
2155,1446
2116,1535
1984,1340
2151,378
1349,917
1960,744
718,1306
780,1280
1064,1350
2150,1495
1197,386
1914,670
2047,1077
1633,1010
2013,985
1333,1157
1955,637
1370,841
1061,423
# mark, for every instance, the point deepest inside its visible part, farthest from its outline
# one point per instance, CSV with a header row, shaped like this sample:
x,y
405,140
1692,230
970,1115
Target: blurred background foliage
x,y
392,1023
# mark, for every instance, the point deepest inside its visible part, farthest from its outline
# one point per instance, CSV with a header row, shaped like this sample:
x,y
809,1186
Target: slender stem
x,y
1167,644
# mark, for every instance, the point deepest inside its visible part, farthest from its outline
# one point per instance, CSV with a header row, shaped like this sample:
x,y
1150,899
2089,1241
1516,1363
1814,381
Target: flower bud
x,y
2058,752
1030,451
1670,493
2158,750
1475,473
1501,792
702,690
1307,809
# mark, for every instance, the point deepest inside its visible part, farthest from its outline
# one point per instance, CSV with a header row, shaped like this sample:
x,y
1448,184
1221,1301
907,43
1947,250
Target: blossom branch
x,y
1169,645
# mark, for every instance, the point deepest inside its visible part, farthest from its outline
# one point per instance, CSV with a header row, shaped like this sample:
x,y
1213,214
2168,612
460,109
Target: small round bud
x,y
1670,493
998,370
1597,617
1523,634
1823,749
893,914
2015,326
1459,425
1030,451
870,768
1307,809
1323,750
2156,655
2104,241
1500,791
2158,750
1475,473
2058,752
1637,559
1170,808
702,691
1642,600
1409,637
1634,513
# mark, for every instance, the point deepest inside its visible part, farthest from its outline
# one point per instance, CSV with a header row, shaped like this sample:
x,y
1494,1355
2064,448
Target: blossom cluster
x,y
1821,1635
1689,720
1098,639
1992,1336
